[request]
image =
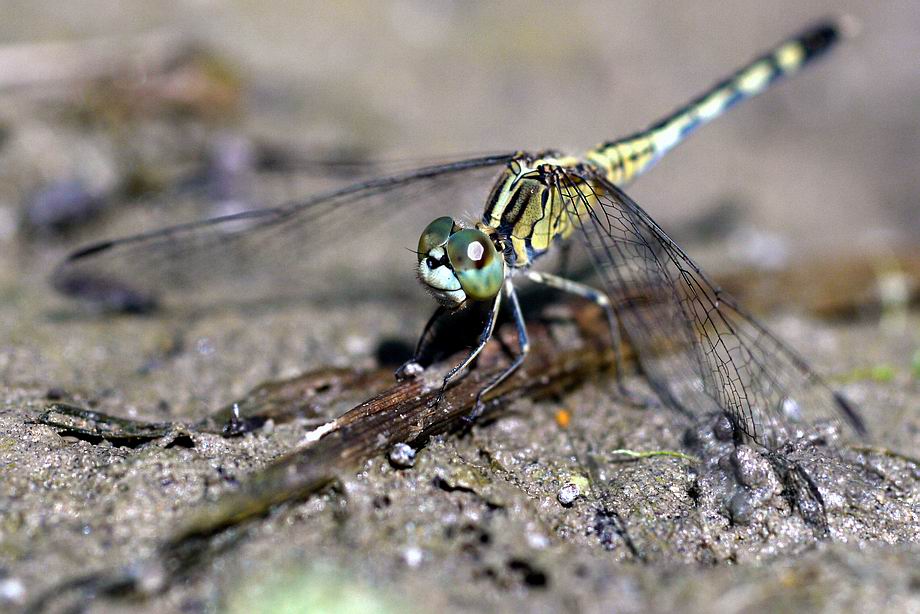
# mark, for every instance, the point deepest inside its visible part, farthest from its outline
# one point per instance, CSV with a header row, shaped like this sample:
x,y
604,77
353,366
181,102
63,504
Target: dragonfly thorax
x,y
459,264
527,207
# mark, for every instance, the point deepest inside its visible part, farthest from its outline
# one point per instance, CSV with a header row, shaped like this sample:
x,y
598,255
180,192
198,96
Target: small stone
x,y
723,429
567,494
402,456
413,556
751,469
741,508
12,590
537,541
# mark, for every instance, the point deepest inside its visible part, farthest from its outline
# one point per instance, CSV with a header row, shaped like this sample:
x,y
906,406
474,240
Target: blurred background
x,y
827,160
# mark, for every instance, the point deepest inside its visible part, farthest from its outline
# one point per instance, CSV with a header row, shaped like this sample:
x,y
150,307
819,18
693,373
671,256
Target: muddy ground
x,y
822,169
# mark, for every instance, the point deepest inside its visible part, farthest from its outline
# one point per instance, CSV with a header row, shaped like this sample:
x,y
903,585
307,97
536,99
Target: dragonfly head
x,y
458,264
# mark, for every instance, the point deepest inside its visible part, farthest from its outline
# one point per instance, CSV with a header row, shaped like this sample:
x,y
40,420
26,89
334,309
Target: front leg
x,y
411,368
484,337
523,344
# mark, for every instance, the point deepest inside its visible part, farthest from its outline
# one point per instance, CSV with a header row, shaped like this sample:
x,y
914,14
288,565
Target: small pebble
x,y
537,541
567,494
750,468
413,556
402,456
741,508
723,429
12,590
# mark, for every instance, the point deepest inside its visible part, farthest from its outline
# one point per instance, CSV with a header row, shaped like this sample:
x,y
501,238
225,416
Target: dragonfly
x,y
698,349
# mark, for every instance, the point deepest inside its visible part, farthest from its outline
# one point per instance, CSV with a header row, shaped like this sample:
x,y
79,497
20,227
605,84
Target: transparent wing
x,y
296,250
700,351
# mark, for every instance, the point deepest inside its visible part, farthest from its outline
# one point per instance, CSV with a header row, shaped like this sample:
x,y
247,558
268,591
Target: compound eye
x,y
434,235
477,264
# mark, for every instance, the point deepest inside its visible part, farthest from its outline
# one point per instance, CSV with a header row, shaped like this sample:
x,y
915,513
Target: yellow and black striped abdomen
x,y
526,206
624,159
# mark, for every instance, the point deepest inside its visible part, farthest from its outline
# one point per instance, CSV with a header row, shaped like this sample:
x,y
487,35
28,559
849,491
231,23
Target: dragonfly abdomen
x,y
625,159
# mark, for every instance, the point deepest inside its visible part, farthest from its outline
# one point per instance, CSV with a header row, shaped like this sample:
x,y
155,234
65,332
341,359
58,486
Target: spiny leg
x,y
411,368
484,337
600,299
524,347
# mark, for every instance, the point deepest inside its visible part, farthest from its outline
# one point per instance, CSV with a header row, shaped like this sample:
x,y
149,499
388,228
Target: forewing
x,y
699,350
301,249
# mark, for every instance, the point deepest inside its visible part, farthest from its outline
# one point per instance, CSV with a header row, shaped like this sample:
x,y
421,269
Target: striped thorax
x,y
528,208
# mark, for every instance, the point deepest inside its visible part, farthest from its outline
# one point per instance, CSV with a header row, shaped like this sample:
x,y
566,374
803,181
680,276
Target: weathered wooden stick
x,y
406,413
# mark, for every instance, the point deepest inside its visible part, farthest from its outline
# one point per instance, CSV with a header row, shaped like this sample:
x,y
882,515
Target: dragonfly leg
x,y
411,368
484,337
524,347
601,299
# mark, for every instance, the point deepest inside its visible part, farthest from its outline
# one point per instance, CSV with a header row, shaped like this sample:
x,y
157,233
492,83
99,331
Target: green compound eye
x,y
476,263
434,235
